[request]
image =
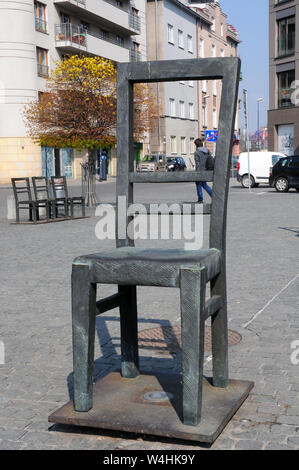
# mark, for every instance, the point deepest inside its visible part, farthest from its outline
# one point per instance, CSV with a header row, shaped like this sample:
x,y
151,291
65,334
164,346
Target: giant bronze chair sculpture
x,y
190,271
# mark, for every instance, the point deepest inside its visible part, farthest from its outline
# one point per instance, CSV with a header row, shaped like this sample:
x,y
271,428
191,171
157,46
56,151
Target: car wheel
x,y
282,185
245,181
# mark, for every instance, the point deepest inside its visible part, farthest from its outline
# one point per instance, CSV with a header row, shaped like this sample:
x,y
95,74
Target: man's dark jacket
x,y
200,156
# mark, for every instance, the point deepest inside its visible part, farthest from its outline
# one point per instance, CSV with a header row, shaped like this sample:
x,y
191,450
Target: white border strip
x,y
269,302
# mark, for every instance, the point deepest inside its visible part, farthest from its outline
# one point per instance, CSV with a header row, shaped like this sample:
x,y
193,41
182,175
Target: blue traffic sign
x,y
211,136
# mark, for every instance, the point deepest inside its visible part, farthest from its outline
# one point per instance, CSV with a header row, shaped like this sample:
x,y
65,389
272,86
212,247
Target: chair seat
x,y
148,267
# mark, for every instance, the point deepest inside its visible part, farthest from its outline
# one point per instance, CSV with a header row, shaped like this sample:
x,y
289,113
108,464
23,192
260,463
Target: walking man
x,y
200,156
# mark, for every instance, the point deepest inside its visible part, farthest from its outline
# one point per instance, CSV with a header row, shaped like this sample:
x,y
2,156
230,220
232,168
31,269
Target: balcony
x,y
41,25
106,12
107,45
70,38
42,70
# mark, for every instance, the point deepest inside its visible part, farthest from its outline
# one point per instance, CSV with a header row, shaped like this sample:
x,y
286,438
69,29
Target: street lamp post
x,y
258,122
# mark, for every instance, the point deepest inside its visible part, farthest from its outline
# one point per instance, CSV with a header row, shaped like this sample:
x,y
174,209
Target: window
x,y
213,27
173,148
84,26
180,39
201,47
182,82
171,107
204,86
120,40
221,29
182,109
215,118
286,36
214,87
191,110
170,34
285,91
221,53
294,162
183,145
42,62
104,34
191,145
65,18
204,116
190,43
40,17
191,83
213,50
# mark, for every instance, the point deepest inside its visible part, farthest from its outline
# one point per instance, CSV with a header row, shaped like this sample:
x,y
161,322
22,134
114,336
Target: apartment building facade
x,y
177,29
283,114
35,35
215,38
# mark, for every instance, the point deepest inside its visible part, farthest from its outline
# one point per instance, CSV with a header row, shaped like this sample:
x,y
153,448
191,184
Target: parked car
x,y
260,164
285,174
176,164
153,163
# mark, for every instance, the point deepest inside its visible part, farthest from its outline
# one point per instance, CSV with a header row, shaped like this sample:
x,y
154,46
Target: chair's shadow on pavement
x,y
110,359
291,229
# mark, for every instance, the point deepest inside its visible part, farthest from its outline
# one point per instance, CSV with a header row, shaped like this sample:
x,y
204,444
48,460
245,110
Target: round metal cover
x,y
157,396
168,338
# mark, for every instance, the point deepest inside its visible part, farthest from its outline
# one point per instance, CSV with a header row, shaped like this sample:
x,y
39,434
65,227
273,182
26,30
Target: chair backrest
x,y
40,188
226,69
21,186
59,187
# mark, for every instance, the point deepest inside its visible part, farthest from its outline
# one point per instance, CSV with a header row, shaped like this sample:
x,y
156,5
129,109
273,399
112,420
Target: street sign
x,y
211,136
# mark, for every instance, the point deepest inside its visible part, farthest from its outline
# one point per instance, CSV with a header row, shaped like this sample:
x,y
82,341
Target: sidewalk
x,y
263,286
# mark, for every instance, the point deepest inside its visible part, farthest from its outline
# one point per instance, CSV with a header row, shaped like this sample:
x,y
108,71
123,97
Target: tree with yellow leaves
x,y
78,108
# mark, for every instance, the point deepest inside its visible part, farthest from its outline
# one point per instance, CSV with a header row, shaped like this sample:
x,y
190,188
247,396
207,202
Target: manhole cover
x,y
168,338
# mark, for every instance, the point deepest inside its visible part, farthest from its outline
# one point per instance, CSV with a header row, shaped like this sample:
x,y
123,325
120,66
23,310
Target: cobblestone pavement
x,y
263,282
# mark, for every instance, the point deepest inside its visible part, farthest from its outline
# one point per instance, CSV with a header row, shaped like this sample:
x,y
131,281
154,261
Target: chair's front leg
x,y
83,320
192,285
129,332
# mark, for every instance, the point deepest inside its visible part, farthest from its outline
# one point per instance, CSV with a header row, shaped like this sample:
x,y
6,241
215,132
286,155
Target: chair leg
x,y
129,332
220,335
193,286
83,320
17,213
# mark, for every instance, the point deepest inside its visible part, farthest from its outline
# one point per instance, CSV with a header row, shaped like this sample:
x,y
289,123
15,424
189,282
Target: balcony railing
x,y
70,33
135,22
109,37
42,70
135,56
41,25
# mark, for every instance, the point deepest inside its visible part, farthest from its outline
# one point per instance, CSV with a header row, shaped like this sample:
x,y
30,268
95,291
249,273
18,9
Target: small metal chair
x,y
21,186
61,197
190,271
42,194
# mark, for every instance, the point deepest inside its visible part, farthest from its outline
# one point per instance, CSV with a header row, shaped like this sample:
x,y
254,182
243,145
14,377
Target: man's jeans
x,y
204,185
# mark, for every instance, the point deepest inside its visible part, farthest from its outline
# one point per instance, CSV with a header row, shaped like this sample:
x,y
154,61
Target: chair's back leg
x,y
193,286
83,320
129,332
220,334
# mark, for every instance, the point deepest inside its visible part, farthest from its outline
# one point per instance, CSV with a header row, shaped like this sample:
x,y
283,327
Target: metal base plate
x,y
125,405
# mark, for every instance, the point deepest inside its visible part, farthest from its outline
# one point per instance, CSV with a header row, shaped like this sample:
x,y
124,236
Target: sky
x,y
250,18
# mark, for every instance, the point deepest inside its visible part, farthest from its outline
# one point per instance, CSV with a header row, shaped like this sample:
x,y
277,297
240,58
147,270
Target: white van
x,y
260,164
